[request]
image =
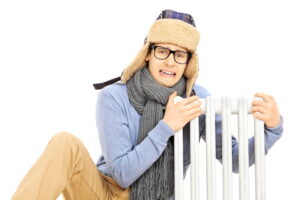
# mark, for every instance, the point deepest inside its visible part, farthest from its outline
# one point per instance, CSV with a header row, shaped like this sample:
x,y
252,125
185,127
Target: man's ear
x,y
148,56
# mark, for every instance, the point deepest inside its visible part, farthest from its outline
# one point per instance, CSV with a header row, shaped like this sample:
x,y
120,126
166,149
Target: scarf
x,y
149,99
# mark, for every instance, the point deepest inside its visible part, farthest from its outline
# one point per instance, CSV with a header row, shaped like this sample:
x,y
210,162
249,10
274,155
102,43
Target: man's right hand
x,y
177,115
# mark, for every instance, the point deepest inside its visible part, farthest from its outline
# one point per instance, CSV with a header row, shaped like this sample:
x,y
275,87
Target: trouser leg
x,y
66,166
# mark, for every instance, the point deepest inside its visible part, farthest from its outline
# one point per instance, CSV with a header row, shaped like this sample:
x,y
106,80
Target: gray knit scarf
x,y
149,99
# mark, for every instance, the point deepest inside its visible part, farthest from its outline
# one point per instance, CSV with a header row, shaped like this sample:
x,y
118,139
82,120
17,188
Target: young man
x,y
136,120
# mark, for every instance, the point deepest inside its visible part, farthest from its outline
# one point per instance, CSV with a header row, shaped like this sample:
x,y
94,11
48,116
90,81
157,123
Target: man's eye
x,y
180,55
162,51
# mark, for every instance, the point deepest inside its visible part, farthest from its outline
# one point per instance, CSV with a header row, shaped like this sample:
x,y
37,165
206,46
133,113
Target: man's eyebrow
x,y
174,50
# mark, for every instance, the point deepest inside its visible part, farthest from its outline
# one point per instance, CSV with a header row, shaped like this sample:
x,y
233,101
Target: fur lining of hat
x,y
137,63
175,32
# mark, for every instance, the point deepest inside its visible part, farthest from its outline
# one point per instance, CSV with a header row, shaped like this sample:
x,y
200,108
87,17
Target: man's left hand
x,y
266,110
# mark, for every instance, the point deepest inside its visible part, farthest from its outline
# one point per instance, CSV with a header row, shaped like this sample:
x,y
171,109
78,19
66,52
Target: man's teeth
x,y
169,73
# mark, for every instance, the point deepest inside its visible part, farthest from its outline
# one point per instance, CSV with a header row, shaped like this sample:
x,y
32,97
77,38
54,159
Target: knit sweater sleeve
x,y
126,161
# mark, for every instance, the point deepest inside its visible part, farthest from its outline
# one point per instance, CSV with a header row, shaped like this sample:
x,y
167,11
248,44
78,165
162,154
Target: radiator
x,y
224,106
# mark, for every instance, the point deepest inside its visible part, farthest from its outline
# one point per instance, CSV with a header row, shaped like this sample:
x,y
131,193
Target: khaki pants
x,y
66,167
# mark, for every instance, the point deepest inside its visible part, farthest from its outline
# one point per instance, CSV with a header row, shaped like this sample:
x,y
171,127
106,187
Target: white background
x,y
51,52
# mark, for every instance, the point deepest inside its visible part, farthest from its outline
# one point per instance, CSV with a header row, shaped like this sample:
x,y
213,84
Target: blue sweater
x,y
124,160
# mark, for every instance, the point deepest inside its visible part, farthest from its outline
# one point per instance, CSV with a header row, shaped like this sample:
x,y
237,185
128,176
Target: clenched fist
x,y
266,110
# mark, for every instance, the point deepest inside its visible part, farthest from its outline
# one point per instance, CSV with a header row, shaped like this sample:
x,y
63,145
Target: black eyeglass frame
x,y
152,46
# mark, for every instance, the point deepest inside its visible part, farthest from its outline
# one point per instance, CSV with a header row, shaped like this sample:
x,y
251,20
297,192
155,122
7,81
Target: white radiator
x,y
224,106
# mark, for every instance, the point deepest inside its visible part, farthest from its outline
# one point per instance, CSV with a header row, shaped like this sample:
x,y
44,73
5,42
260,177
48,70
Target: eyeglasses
x,y
163,53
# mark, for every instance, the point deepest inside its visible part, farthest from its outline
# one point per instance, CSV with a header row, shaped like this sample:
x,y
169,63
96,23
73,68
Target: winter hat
x,y
170,27
175,28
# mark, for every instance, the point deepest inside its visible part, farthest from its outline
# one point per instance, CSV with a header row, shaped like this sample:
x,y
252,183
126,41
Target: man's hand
x,y
179,114
266,110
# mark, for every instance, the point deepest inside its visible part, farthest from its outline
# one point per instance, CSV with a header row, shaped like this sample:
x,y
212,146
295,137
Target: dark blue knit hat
x,y
171,14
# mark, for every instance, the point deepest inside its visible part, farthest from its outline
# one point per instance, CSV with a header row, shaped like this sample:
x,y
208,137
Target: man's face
x,y
166,72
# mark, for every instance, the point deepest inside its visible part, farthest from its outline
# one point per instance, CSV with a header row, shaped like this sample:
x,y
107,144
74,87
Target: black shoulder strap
x,y
99,86
193,93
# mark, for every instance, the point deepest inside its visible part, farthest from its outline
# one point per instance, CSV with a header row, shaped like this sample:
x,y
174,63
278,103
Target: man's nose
x,y
170,60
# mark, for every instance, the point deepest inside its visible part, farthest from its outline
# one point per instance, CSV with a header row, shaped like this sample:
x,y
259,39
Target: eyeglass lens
x,y
163,53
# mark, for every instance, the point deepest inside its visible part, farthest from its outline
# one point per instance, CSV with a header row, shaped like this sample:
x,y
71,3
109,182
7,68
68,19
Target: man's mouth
x,y
164,72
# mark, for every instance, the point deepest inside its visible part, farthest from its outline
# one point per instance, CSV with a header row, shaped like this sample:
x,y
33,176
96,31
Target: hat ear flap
x,y
191,73
137,63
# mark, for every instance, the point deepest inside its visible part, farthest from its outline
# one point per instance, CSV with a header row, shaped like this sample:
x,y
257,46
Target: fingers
x,y
263,105
192,113
178,114
192,110
265,97
193,105
184,102
189,107
260,116
259,103
267,102
260,109
172,97
189,100
266,109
